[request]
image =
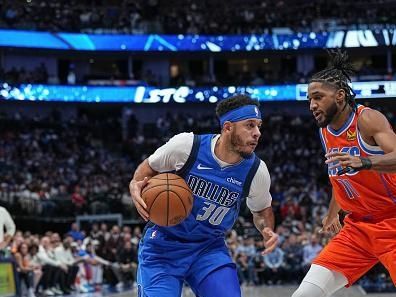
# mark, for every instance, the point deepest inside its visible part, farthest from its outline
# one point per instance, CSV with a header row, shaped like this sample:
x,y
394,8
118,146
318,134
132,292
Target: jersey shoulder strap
x,y
250,176
192,157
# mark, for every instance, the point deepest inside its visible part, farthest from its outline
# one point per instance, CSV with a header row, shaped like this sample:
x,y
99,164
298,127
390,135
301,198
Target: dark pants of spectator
x,y
243,274
260,272
27,278
124,275
66,279
71,275
274,275
294,275
51,277
109,276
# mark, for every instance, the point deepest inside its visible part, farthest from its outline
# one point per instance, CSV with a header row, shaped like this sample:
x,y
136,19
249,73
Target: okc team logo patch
x,y
351,134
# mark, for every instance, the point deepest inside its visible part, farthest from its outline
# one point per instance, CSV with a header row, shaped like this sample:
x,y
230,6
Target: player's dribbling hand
x,y
271,240
135,189
331,225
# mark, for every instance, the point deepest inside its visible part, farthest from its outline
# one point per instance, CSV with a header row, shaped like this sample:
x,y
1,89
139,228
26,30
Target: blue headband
x,y
241,113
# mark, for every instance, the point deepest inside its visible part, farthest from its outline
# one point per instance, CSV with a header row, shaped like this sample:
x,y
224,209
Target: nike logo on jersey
x,y
201,167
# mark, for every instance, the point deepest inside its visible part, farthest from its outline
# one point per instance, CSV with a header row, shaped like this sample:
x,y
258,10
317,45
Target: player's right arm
x,y
331,222
169,157
140,178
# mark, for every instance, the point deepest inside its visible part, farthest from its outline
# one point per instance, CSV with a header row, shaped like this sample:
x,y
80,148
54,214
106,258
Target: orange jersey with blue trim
x,y
364,193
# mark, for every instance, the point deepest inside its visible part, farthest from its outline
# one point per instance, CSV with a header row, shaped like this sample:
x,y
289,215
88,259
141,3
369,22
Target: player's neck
x,y
224,152
341,117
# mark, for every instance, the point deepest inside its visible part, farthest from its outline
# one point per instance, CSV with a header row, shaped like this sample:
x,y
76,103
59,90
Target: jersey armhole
x,y
191,158
250,176
322,141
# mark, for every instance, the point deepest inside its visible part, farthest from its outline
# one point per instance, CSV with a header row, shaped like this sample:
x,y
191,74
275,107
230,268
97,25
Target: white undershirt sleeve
x,y
259,195
173,154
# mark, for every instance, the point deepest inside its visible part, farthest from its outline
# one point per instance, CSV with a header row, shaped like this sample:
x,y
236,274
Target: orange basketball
x,y
168,198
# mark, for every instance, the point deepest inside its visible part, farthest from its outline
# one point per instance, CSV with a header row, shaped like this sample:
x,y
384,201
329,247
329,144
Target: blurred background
x,y
90,88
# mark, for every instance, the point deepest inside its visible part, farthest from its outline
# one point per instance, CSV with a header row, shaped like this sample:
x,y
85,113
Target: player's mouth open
x,y
317,114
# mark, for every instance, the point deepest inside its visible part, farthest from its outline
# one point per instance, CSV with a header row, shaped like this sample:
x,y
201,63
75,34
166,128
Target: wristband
x,y
366,163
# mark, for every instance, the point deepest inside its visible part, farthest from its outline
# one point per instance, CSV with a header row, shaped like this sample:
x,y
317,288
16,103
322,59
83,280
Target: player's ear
x,y
340,96
227,127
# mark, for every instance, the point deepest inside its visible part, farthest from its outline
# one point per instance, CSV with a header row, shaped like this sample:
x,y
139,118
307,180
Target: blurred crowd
x,y
260,77
103,258
97,259
192,16
61,169
21,75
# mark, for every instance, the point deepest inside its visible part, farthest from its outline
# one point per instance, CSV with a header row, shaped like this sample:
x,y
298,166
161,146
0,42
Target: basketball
x,y
168,198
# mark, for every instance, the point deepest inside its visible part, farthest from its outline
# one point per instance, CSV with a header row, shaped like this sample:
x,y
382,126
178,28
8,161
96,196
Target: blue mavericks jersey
x,y
218,193
193,249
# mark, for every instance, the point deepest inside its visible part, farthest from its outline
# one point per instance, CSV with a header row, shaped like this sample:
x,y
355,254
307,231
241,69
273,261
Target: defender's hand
x,y
331,225
347,162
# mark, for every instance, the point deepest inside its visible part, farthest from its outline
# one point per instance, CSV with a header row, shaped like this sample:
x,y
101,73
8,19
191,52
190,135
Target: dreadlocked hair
x,y
338,73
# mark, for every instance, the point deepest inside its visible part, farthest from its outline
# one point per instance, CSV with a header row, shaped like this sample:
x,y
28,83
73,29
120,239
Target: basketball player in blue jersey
x,y
221,170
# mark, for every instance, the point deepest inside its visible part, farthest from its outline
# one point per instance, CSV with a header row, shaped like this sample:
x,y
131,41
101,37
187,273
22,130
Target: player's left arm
x,y
373,126
264,221
259,203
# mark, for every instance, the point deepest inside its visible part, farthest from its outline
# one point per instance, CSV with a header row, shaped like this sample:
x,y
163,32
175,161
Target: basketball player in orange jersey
x,y
361,157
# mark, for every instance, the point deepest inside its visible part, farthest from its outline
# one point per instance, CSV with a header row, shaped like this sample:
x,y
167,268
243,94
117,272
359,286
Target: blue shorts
x,y
165,264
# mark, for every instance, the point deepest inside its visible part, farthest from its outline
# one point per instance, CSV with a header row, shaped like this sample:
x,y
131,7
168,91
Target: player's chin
x,y
321,123
246,153
252,147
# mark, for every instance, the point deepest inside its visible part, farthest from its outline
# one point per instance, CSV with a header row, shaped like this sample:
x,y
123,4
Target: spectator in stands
x,y
52,268
242,263
114,242
94,233
104,232
25,268
126,264
76,233
64,255
137,235
34,261
290,208
91,271
78,200
293,259
245,254
274,266
310,251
